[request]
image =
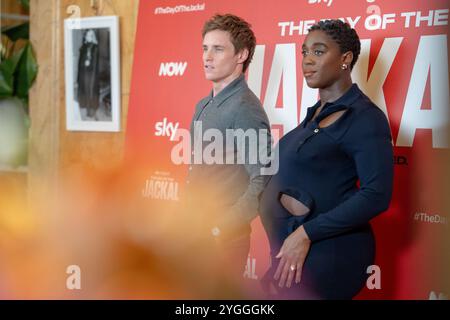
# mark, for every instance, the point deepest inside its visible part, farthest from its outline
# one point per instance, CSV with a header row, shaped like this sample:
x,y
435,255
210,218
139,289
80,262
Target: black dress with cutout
x,y
343,173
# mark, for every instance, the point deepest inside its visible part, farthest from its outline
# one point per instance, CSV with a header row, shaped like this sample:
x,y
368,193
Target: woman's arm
x,y
368,143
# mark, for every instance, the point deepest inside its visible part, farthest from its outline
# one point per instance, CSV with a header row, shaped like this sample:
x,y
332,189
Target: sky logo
x,y
328,2
166,129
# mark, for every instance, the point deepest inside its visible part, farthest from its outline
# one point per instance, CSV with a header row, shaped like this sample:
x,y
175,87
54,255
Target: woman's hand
x,y
293,254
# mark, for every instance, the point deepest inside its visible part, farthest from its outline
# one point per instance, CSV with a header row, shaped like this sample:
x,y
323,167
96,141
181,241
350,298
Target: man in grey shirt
x,y
225,188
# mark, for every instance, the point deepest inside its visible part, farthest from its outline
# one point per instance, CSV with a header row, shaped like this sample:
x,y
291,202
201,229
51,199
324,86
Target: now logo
x,y
170,69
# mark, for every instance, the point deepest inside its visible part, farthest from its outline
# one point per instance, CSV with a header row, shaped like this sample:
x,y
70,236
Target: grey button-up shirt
x,y
233,188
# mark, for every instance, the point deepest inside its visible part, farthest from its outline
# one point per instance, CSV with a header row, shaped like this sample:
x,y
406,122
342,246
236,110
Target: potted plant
x,y
18,69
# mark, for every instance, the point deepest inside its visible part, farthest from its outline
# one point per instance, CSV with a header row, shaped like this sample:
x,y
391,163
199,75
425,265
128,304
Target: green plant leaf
x,y
6,88
25,73
20,31
8,68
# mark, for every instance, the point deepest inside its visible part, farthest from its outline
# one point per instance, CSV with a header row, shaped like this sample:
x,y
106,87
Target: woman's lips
x,y
308,74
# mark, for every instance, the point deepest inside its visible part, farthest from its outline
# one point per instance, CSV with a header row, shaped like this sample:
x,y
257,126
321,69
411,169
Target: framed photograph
x,y
92,73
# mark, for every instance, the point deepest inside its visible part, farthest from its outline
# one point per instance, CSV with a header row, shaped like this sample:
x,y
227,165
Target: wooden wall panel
x,y
53,149
11,7
44,97
101,150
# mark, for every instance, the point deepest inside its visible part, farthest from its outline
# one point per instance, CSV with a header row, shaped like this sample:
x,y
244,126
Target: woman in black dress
x,y
88,74
335,174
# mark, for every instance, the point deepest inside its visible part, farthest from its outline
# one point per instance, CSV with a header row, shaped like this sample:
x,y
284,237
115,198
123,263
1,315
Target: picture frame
x,y
92,74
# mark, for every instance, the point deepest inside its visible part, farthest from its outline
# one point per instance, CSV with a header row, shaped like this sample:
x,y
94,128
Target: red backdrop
x,y
403,67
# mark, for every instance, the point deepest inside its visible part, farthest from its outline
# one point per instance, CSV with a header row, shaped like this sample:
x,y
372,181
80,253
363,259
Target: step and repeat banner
x,y
403,68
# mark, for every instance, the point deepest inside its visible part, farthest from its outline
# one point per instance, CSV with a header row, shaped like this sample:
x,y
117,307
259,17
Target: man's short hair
x,y
241,34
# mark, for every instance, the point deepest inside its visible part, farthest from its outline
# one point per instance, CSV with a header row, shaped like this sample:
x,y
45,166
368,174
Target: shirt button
x,y
316,130
190,167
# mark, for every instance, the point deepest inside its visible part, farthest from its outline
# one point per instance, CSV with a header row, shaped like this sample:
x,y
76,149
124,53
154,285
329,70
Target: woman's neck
x,y
335,91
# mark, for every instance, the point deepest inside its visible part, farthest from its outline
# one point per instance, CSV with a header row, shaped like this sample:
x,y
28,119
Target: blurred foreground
x,y
124,248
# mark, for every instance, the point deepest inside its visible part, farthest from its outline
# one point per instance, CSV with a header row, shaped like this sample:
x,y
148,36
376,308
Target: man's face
x,y
219,58
322,60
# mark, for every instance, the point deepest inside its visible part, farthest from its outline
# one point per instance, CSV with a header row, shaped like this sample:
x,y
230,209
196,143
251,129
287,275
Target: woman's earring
x,y
344,67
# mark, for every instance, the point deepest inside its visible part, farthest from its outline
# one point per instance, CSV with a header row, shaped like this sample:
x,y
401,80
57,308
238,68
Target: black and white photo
x,y
92,74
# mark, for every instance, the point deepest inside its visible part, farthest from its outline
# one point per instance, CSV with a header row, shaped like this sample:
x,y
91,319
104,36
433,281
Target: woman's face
x,y
90,37
322,60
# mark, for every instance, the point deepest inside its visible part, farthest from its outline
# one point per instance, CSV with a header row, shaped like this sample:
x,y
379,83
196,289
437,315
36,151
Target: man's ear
x,y
347,58
243,55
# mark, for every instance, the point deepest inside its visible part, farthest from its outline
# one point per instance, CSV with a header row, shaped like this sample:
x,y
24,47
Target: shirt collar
x,y
346,100
228,91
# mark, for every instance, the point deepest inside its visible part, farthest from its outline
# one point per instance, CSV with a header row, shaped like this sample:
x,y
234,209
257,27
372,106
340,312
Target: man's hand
x,y
230,225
